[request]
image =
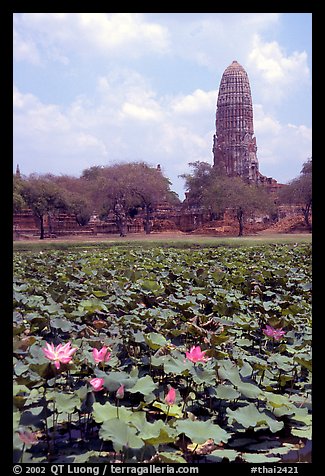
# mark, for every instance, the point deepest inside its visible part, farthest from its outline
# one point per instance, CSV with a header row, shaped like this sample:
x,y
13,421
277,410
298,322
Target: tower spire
x,y
234,146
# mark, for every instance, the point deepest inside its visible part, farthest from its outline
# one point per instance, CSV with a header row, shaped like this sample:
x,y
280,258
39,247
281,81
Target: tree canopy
x,y
43,197
299,191
210,188
123,188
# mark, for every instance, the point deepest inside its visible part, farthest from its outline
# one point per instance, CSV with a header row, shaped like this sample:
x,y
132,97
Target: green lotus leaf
x,y
100,293
244,342
66,402
227,392
282,361
148,431
227,370
302,432
34,301
92,305
203,374
113,380
249,390
62,324
53,308
170,410
84,457
45,370
176,366
20,368
250,417
167,434
301,415
282,450
36,354
144,385
169,457
304,361
201,431
155,340
276,400
17,389
107,411
259,458
121,434
150,285
219,455
158,361
246,369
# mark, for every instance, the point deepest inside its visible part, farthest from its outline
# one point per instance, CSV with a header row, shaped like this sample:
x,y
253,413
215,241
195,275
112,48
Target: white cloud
x,y
49,135
115,31
141,113
210,39
282,148
283,73
195,103
56,35
264,124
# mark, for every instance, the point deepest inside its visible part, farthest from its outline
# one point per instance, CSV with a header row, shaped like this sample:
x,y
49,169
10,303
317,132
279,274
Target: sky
x,y
99,88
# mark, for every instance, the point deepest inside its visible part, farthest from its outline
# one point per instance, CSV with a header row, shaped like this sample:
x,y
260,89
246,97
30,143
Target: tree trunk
x,y
42,227
120,218
240,218
49,221
121,224
147,220
306,212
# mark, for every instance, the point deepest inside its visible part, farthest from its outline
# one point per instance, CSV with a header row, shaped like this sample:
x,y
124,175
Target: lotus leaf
x,y
107,411
219,455
250,417
169,457
121,434
201,431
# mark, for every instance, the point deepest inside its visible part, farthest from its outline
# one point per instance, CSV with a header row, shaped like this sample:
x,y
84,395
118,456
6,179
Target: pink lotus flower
x,y
27,437
275,333
196,355
97,384
120,392
102,355
171,396
60,353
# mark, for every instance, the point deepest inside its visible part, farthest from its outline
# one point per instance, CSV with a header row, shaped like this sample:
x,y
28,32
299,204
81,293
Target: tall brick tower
x,y
234,145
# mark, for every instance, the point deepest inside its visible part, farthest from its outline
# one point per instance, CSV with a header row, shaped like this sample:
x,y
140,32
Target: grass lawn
x,y
180,240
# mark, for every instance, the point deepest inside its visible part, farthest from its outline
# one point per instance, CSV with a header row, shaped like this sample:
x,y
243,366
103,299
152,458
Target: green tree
x,y
211,188
149,187
299,192
18,200
245,200
76,192
197,183
123,188
43,197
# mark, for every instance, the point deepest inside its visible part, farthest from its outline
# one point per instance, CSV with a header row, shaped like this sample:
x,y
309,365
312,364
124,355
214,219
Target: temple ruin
x,y
234,144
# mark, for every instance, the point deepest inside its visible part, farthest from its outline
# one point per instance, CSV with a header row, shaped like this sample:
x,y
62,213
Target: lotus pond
x,y
162,355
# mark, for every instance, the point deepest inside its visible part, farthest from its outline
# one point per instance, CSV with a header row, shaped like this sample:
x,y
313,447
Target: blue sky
x,y
97,88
